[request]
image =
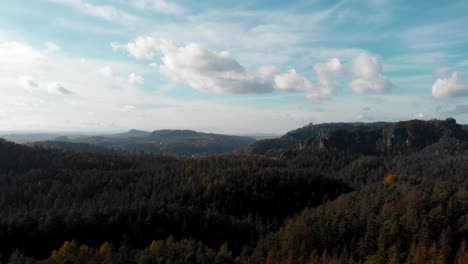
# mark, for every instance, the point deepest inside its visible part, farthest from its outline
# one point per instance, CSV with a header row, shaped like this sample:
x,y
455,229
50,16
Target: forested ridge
x,y
164,142
330,193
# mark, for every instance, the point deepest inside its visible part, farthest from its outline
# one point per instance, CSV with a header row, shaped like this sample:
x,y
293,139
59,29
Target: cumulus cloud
x,y
379,84
364,67
326,75
218,72
196,66
134,78
449,87
368,71
27,83
145,47
56,88
292,81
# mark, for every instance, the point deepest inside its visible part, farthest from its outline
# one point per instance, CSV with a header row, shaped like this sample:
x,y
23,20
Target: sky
x,y
229,66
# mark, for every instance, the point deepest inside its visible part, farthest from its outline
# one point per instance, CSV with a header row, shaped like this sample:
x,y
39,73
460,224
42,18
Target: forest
x,y
328,193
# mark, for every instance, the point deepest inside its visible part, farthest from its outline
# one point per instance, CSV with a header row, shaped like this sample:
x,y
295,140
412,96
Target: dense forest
x,y
329,193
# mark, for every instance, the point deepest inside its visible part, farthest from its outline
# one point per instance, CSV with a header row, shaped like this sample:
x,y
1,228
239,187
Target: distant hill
x,y
167,142
22,138
131,133
77,147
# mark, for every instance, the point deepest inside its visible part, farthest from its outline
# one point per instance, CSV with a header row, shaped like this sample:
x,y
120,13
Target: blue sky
x,y
229,66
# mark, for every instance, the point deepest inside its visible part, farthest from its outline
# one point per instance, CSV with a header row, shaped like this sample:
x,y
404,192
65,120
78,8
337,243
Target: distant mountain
x,y
167,142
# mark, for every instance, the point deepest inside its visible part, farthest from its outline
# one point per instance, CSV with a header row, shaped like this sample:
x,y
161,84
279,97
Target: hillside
x,y
167,142
94,198
352,193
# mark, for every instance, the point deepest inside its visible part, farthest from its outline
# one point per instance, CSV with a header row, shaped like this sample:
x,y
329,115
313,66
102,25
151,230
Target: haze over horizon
x,y
234,68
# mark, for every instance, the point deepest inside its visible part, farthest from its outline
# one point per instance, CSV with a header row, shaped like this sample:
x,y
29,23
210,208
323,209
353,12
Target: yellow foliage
x,y
391,179
84,250
155,246
104,249
68,250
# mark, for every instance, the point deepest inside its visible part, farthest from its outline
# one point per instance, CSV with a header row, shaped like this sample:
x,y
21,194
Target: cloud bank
x,y
218,72
196,66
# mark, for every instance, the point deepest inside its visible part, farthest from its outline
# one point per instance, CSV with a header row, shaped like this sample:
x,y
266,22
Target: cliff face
x,y
415,135
401,137
369,139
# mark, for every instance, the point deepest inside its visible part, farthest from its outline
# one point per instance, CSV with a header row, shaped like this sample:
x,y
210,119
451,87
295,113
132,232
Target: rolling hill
x,y
167,142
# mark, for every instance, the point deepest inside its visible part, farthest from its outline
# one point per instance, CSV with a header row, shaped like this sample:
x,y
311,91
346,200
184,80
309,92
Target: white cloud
x,y
196,66
292,81
12,51
218,72
56,88
365,66
267,71
27,83
161,6
368,70
51,47
106,12
134,78
326,75
442,71
419,115
449,87
119,79
145,47
379,84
